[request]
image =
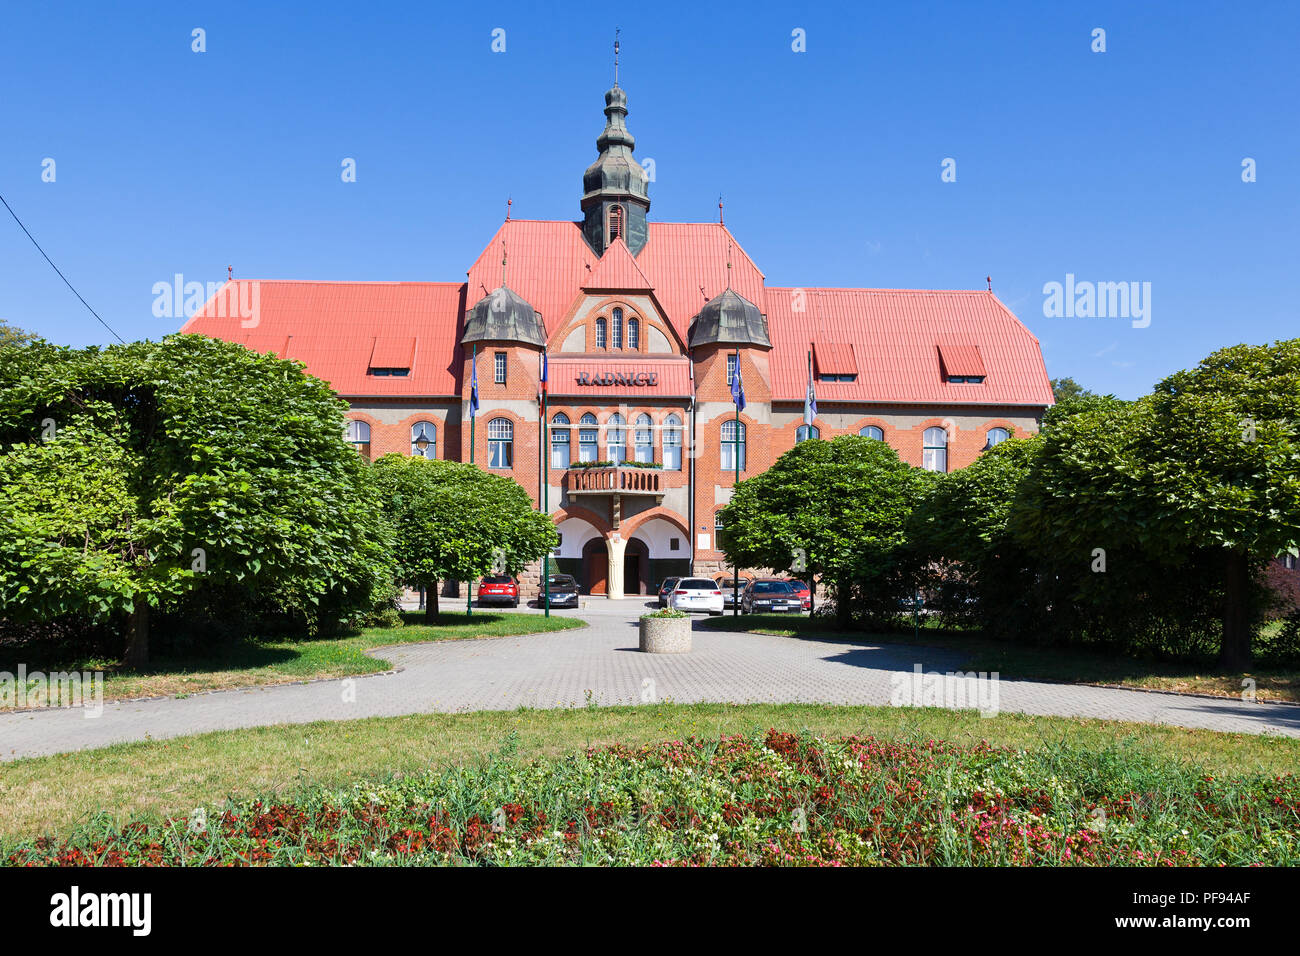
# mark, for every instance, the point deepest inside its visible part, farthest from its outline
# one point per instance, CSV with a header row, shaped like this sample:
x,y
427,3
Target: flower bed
x,y
767,798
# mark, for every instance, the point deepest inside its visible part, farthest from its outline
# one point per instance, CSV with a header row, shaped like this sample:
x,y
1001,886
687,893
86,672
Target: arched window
x,y
936,450
732,445
424,440
358,434
615,222
644,439
673,443
501,440
872,431
805,432
600,333
560,441
634,334
615,439
616,329
588,438
997,436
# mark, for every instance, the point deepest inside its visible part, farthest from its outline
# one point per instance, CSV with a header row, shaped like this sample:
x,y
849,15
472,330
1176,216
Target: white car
x,y
696,594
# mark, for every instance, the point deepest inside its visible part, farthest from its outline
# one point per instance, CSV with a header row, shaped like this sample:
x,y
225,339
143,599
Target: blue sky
x,y
1122,166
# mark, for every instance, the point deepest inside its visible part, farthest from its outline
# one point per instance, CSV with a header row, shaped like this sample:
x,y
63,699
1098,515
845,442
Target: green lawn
x,y
153,778
281,661
1073,665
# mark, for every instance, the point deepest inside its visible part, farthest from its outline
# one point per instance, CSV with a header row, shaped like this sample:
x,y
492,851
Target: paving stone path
x,y
602,663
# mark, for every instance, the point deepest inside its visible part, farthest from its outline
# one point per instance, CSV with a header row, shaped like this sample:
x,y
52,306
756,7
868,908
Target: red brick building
x,y
642,325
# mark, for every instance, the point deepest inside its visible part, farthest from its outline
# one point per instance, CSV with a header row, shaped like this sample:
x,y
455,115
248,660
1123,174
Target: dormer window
x,y
615,222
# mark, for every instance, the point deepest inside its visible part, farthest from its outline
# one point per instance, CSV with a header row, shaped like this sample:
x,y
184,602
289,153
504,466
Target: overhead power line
x,y
56,269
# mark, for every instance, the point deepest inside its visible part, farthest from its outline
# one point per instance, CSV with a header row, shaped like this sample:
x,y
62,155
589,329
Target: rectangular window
x,y
731,368
499,368
728,462
560,449
674,544
587,444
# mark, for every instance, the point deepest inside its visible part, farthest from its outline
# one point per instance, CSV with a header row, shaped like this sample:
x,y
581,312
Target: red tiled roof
x,y
549,263
895,334
335,328
602,376
617,270
891,338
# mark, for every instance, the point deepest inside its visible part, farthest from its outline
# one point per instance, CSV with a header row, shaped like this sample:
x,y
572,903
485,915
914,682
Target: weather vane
x,y
616,33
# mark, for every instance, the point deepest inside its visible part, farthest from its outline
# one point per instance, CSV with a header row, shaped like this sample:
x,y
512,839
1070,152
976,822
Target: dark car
x,y
666,589
769,595
563,591
728,591
801,589
498,589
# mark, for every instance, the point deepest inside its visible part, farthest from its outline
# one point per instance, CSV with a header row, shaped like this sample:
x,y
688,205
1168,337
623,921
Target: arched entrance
x,y
595,567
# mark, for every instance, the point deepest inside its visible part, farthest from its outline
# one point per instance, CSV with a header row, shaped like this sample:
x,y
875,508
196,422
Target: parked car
x,y
731,587
696,594
804,592
768,594
666,589
563,591
498,589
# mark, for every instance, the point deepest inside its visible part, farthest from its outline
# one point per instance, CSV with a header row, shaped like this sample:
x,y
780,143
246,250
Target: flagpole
x,y
735,581
546,494
473,414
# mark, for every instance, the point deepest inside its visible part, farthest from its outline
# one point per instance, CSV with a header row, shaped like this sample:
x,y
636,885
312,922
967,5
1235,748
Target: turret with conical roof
x,y
615,189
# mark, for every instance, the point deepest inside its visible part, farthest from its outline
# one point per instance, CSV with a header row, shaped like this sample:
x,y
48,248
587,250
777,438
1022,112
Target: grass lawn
x,y
284,661
151,779
1073,665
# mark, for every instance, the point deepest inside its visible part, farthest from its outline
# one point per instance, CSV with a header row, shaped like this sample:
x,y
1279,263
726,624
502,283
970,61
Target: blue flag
x,y
543,371
473,388
738,388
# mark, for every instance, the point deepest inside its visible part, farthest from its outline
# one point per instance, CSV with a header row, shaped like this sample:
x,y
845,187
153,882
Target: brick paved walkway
x,y
561,669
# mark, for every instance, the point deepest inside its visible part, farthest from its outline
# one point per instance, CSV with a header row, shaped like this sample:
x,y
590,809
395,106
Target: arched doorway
x,y
595,567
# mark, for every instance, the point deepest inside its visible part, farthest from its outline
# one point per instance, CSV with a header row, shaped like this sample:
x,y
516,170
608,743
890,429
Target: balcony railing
x,y
615,480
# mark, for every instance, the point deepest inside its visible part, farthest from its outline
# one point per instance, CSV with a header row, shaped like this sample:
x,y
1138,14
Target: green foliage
x,y
188,475
11,335
1067,389
829,509
454,521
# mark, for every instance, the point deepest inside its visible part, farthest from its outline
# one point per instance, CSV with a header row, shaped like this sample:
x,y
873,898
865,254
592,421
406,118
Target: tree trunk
x,y
843,618
1235,653
812,594
137,636
431,602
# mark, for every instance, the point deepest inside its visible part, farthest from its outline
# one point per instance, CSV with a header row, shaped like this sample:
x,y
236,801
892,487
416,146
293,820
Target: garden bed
x,y
761,798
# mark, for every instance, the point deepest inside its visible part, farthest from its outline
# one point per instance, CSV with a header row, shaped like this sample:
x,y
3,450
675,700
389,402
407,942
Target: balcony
x,y
615,480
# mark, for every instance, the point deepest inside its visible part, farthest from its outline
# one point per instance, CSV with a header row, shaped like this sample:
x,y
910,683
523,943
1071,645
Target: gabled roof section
x,y
894,334
687,262
617,271
338,328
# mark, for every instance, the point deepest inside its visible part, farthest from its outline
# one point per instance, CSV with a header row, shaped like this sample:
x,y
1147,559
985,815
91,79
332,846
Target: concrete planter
x,y
666,635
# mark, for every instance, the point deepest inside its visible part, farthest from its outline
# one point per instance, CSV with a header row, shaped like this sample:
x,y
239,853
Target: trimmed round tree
x,y
832,510
187,472
452,521
1209,462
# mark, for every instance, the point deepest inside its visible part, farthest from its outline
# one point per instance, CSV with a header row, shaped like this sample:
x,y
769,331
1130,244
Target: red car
x,y
498,589
801,589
